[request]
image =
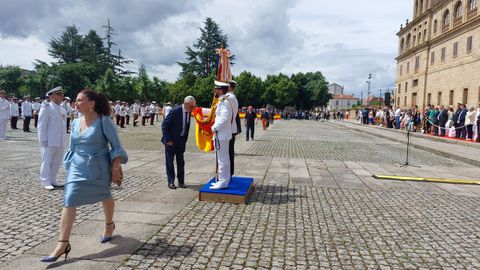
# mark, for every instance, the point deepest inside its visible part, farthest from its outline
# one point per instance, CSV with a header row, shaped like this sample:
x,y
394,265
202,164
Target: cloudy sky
x,y
345,40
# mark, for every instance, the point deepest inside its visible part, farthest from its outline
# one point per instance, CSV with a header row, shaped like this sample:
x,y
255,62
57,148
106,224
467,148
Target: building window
x,y
424,35
402,44
432,58
472,4
401,70
455,49
415,82
399,88
414,41
442,56
469,44
406,86
405,101
419,38
450,97
439,98
408,67
429,98
446,19
465,96
409,37
435,23
458,11
417,64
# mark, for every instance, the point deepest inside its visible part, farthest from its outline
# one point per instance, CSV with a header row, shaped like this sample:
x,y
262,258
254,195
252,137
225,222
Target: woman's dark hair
x,y
101,101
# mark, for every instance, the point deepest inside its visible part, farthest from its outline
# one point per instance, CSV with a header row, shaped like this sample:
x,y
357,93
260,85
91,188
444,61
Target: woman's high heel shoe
x,y
67,250
104,238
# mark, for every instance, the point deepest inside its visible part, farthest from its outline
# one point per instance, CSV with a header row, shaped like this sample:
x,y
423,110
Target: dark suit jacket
x,y
250,117
462,115
443,117
172,126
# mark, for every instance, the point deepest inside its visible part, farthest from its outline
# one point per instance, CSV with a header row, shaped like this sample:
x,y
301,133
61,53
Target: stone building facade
x,y
439,55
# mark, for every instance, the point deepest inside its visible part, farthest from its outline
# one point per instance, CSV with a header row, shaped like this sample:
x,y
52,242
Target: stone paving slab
x,y
336,217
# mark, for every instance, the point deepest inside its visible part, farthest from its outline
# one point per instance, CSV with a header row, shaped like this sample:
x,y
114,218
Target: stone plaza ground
x,y
315,206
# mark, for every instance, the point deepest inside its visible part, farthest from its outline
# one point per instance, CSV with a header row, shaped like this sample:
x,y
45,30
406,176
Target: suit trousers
x,y
250,131
3,128
51,160
26,123
13,122
223,159
35,120
175,151
231,154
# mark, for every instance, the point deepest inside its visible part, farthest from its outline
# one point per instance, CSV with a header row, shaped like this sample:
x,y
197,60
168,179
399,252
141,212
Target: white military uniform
x,y
234,103
52,135
166,111
4,115
223,127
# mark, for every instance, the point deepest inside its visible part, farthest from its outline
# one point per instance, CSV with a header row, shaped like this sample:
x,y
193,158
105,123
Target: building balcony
x,y
457,22
445,28
472,13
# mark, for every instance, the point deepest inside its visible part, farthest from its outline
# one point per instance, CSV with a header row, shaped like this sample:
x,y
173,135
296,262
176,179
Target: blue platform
x,y
237,186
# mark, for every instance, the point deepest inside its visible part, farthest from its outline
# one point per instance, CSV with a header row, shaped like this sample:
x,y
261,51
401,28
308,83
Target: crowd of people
x,y
462,122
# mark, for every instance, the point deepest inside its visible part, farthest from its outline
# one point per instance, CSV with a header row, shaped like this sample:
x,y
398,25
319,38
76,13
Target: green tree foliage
x,y
249,90
11,79
201,59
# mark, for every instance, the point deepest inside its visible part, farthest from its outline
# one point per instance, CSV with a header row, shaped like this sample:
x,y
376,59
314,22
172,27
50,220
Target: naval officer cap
x,y
55,90
232,83
219,84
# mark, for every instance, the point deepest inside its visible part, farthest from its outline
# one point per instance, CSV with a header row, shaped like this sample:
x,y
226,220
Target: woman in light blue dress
x,y
91,167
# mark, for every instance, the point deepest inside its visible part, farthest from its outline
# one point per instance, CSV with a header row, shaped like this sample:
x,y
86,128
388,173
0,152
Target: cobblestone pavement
x,y
315,206
310,228
327,213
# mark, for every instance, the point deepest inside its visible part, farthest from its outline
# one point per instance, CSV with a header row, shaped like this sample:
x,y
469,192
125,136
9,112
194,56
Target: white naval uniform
x,y
4,115
234,103
166,111
52,135
223,127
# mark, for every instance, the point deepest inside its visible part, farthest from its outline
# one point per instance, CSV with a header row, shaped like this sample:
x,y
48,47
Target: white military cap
x,y
154,102
55,90
67,98
219,84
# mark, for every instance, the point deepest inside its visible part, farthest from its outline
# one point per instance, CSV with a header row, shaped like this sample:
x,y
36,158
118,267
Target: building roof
x,y
344,97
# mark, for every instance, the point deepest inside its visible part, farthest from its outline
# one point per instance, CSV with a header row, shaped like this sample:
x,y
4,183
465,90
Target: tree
x,y
201,59
108,84
249,89
279,90
68,46
202,90
115,62
11,79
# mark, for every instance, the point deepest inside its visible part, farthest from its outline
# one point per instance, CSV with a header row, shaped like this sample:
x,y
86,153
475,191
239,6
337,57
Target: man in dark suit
x,y
442,120
250,117
175,130
455,120
461,121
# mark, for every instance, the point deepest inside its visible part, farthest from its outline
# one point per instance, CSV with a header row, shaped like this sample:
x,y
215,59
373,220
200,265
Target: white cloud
x,y
346,40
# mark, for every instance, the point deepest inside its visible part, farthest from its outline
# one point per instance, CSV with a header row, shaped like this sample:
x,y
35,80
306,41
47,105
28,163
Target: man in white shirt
x,y
122,113
14,113
166,110
235,122
35,110
68,109
4,114
152,110
222,133
26,113
117,111
136,112
52,135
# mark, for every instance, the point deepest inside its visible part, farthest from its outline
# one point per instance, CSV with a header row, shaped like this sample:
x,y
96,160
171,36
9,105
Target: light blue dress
x,y
88,162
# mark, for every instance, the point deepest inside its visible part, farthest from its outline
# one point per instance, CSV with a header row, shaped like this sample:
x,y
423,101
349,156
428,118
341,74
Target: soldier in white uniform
x,y
166,110
26,113
35,110
14,113
235,125
136,112
68,108
4,114
222,133
52,135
